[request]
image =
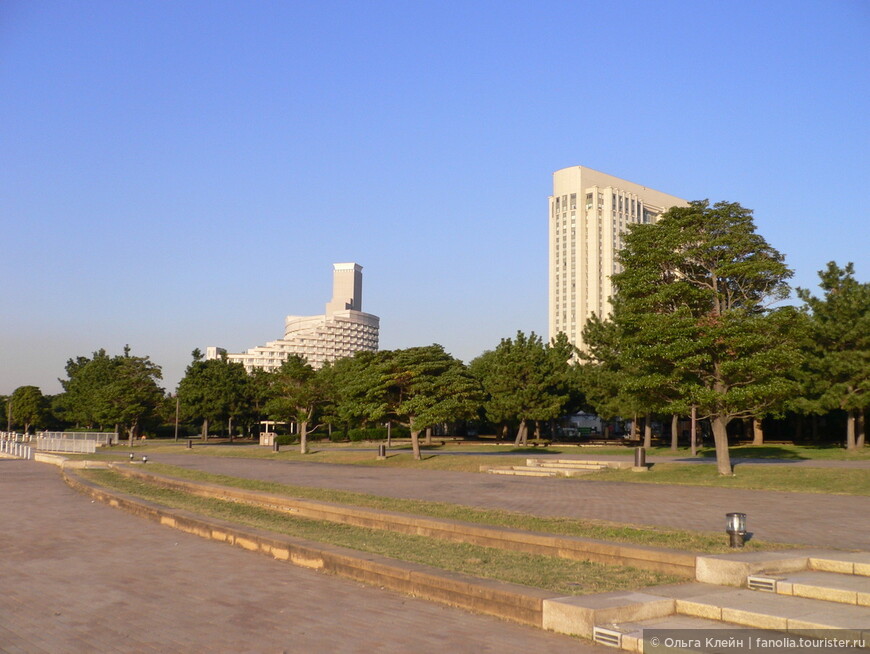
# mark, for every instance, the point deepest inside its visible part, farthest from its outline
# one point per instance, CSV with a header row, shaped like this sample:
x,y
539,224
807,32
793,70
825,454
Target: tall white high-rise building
x,y
589,213
340,332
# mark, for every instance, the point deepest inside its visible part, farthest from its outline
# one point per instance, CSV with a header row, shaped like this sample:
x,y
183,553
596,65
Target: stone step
x,y
536,471
521,473
570,463
849,563
572,466
827,586
768,610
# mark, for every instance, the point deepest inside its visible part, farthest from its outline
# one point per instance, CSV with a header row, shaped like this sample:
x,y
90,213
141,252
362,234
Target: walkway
x,y
804,518
82,577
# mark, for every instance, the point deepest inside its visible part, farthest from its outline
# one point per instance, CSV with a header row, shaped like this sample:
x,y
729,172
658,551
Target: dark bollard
x,y
639,457
189,444
382,452
276,447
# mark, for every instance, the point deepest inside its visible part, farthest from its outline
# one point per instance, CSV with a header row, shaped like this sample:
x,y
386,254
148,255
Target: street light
x,y
735,526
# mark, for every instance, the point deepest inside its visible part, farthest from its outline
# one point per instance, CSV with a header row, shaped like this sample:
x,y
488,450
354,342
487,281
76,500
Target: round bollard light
x,y
144,459
131,457
735,527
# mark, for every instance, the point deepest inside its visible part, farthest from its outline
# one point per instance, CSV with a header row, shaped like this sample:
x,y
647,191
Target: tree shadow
x,y
759,452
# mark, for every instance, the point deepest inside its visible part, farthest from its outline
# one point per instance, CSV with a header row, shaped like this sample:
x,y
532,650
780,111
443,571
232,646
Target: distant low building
x,y
341,332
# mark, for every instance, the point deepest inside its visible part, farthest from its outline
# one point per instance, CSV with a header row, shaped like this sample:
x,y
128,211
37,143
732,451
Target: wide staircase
x,y
555,467
783,597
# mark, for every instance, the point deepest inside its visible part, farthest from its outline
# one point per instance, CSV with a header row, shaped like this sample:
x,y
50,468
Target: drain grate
x,y
766,584
609,637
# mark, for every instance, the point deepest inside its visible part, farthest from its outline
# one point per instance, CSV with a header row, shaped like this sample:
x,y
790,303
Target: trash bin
x,y
639,457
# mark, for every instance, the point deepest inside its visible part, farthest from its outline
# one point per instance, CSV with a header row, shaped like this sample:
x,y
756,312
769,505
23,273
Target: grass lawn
x,y
691,541
558,575
837,481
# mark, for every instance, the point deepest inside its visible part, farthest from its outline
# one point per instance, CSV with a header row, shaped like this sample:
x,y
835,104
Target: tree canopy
x,y
28,407
838,347
120,390
693,321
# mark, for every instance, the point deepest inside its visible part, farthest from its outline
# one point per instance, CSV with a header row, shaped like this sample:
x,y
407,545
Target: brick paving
x,y
78,576
804,518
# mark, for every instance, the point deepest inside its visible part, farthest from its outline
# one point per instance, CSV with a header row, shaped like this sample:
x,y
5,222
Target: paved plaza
x,y
78,576
804,518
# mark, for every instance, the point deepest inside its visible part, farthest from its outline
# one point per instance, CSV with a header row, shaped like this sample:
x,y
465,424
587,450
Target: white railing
x,y
101,437
14,448
74,445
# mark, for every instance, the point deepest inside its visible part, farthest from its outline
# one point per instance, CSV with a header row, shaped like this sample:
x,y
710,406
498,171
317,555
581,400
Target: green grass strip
x,y
754,476
558,575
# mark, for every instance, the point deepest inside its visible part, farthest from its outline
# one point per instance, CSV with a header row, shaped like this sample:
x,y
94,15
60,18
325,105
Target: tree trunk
x,y
720,437
502,434
757,432
230,426
694,435
850,430
635,432
415,444
205,429
537,429
647,431
303,437
389,432
428,435
522,438
675,426
860,431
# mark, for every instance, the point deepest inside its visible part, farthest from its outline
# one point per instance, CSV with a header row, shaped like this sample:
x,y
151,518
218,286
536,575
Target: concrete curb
x,y
656,559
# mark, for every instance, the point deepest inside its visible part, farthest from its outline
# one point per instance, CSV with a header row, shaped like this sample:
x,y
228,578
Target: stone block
x,y
578,615
732,569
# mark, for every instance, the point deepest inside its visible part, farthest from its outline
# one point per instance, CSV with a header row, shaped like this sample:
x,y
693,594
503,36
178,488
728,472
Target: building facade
x,y
589,214
340,332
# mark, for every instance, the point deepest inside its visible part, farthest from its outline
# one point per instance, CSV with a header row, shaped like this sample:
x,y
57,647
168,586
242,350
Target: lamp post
x,y
735,526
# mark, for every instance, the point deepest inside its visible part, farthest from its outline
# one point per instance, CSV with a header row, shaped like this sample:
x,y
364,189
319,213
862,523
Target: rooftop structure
x,y
340,332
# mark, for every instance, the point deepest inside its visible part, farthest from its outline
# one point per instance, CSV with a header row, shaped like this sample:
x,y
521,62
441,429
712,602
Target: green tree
x,y
348,384
838,357
693,323
29,408
525,380
421,387
298,393
133,393
85,399
103,390
212,390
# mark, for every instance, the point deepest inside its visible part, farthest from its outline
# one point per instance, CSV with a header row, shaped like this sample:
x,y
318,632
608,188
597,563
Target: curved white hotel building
x,y
589,213
340,332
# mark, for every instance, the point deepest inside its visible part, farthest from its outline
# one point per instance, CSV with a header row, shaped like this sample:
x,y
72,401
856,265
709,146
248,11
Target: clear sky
x,y
178,174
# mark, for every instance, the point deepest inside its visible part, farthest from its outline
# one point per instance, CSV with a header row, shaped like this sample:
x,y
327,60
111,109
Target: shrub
x,y
376,433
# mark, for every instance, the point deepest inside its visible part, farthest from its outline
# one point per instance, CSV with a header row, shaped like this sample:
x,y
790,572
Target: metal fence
x,y
100,437
74,445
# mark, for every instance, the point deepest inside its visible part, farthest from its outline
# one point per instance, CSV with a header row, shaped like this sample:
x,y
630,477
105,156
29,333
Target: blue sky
x,y
181,174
